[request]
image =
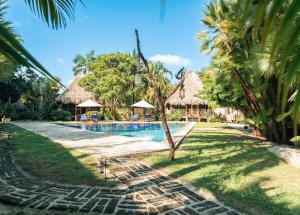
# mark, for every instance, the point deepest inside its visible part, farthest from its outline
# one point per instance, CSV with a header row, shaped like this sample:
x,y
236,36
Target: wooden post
x,y
186,113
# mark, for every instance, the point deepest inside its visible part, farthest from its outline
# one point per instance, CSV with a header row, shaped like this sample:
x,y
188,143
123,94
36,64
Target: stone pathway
x,y
144,191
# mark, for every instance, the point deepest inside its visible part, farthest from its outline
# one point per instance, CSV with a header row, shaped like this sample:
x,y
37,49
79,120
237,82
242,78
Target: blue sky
x,y
107,26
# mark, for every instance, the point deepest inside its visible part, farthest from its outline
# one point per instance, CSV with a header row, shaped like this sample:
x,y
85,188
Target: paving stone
x,y
144,191
190,211
91,193
58,207
232,213
91,203
32,200
111,206
216,211
205,206
167,207
9,200
75,193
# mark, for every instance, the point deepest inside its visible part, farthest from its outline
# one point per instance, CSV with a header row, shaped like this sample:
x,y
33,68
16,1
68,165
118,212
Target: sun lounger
x,y
135,117
83,117
95,118
147,117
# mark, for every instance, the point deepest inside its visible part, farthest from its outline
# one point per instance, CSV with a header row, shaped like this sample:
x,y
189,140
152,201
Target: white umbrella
x,y
89,103
142,104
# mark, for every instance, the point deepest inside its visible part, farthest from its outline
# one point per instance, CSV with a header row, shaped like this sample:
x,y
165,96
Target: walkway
x,y
96,144
145,191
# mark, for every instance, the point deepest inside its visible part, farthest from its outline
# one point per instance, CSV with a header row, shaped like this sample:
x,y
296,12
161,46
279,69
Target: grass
x,y
48,160
236,169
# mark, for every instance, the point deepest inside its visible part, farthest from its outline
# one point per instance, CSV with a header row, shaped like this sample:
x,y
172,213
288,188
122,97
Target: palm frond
x,y
54,12
15,51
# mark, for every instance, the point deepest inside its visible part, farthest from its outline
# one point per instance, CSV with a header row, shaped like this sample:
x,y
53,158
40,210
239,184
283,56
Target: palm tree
x,y
54,12
81,63
243,53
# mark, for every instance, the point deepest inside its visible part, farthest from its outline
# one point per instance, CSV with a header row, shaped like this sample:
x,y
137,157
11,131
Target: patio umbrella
x,y
142,104
88,104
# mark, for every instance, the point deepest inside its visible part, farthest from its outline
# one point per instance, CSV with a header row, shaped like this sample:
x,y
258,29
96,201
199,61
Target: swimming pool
x,y
152,131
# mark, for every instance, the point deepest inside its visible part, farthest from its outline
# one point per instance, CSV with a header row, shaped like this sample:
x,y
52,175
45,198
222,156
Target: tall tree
x,y
81,63
110,78
40,99
150,72
244,68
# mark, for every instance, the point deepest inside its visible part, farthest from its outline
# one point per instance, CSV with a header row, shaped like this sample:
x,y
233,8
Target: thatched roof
x,y
192,85
75,94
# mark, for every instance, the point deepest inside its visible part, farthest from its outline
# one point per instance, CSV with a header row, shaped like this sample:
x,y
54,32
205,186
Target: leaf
x,y
296,140
53,12
13,49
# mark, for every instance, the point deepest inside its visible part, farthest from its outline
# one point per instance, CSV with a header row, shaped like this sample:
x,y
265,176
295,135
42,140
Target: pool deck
x,y
100,144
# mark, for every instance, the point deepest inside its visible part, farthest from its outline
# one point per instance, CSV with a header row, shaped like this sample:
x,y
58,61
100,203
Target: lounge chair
x,y
95,117
147,117
135,117
83,117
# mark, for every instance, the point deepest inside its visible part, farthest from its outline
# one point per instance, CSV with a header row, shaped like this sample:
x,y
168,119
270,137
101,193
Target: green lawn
x,y
236,169
43,158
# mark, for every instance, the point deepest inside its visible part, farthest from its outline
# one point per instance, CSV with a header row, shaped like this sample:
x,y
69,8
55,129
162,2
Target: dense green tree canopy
x,y
245,71
111,77
114,79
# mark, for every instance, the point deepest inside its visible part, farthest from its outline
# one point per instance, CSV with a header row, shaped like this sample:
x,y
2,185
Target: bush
x,y
216,118
175,116
124,113
60,115
7,110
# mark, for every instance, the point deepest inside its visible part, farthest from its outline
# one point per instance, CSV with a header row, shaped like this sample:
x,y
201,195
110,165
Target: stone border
x,y
287,153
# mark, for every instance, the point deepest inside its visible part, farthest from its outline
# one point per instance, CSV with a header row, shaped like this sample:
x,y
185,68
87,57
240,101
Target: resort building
x,y
184,98
73,96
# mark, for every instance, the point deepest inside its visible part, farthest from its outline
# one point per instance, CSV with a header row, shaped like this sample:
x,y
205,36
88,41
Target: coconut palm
x,y
81,63
162,76
55,14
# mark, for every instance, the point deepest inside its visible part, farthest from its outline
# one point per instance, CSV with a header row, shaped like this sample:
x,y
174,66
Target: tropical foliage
x,y
113,79
54,12
81,63
255,66
40,98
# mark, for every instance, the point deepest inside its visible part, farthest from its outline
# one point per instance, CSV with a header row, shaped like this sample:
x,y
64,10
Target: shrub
x,y
174,116
124,113
60,115
6,110
216,118
22,115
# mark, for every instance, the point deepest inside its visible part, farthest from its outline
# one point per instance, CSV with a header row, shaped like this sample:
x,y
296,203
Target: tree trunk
x,y
160,100
171,155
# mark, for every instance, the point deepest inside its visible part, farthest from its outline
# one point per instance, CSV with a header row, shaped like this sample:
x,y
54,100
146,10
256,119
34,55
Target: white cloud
x,y
60,61
171,59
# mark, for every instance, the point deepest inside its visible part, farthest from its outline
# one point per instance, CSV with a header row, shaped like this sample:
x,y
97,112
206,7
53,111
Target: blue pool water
x,y
153,131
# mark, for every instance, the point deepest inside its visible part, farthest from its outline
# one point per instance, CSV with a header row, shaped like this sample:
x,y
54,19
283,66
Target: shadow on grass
x,y
43,158
224,164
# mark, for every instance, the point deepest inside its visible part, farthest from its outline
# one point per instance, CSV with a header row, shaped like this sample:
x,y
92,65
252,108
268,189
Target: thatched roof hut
x,y
75,94
186,91
184,98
